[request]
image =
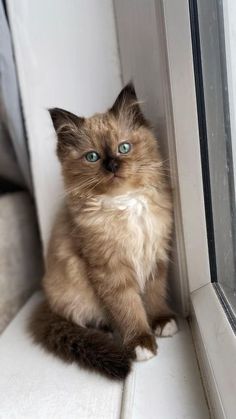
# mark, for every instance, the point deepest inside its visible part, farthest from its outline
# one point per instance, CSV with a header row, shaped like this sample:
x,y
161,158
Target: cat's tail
x,y
90,348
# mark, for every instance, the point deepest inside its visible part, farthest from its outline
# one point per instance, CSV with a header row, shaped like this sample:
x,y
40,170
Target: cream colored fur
x,y
108,255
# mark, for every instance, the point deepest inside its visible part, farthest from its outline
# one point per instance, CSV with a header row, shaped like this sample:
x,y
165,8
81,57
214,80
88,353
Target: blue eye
x,y
92,156
124,148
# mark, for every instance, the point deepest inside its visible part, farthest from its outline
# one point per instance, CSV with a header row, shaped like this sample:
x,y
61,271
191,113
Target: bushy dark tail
x,y
90,348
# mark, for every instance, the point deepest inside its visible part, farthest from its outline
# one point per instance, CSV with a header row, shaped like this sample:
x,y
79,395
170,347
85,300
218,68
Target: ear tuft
x,y
67,126
127,104
125,98
61,116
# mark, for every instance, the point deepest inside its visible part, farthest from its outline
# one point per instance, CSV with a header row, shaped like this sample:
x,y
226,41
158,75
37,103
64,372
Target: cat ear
x,y
67,126
127,103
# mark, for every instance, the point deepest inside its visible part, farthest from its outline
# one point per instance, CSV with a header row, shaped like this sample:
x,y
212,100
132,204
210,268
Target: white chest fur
x,y
140,231
132,203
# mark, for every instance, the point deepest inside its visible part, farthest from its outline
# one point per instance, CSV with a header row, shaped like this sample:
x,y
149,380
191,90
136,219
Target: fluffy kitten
x,y
108,254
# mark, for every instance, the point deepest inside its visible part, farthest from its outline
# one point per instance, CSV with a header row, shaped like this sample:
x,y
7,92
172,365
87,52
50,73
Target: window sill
x,y
34,384
169,385
216,346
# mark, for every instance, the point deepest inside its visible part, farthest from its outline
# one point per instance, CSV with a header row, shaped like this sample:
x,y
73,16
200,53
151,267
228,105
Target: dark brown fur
x,y
91,348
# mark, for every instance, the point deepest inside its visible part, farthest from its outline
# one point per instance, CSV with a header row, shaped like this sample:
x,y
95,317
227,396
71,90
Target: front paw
x,y
143,354
145,347
166,328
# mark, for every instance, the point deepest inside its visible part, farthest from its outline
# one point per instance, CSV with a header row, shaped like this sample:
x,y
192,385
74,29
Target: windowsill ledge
x,y
34,384
216,347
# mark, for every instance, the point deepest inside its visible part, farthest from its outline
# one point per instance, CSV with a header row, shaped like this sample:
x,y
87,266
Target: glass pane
x,y
214,51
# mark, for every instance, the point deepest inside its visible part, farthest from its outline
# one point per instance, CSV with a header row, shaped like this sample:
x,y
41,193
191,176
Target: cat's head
x,y
109,152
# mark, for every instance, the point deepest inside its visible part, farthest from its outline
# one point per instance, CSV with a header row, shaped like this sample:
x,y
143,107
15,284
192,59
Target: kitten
x,y
106,271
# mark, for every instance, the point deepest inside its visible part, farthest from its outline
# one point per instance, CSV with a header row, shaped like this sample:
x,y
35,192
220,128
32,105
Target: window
x,y
214,89
199,89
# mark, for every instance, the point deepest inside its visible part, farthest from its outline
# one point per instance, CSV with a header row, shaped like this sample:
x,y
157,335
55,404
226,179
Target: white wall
x,y
67,56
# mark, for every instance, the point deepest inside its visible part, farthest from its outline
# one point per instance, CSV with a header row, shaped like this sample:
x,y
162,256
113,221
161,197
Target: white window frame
x,y
214,337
